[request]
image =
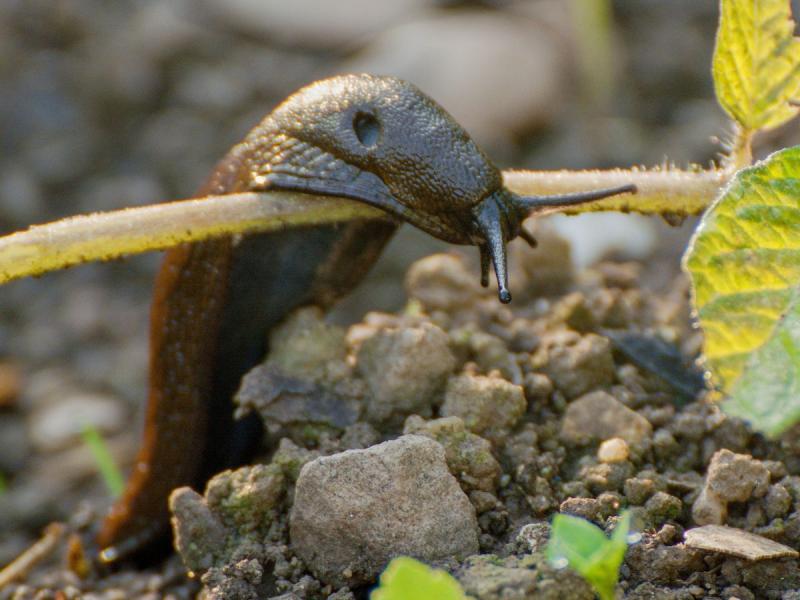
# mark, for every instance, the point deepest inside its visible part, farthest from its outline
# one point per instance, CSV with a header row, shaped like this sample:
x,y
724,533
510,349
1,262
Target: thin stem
x,y
663,191
741,153
106,236
39,551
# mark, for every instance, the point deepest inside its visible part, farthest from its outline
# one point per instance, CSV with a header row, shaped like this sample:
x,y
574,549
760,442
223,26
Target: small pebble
x,y
613,450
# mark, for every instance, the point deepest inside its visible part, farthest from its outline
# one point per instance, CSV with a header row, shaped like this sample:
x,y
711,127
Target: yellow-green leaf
x,y
406,578
744,261
757,62
768,392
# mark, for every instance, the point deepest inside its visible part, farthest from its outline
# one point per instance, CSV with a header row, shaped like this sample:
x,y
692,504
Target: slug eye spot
x,y
367,128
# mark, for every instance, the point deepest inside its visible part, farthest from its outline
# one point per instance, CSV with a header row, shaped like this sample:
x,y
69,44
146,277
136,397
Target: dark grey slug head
x,y
382,141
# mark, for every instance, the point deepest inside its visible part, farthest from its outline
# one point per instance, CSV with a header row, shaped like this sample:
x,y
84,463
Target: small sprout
x,y
582,546
112,477
407,578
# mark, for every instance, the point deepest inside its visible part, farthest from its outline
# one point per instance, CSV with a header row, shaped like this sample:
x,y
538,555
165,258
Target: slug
x,y
378,140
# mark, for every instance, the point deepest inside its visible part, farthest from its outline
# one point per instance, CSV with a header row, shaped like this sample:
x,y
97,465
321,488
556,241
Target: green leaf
x,y
582,546
768,392
744,262
757,62
406,578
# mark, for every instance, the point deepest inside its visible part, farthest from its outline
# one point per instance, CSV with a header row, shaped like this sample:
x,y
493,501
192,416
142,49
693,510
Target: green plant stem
x,y
112,477
592,21
662,191
741,154
106,236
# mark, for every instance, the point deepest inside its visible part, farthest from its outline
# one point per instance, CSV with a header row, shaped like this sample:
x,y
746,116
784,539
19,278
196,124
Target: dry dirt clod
x,y
305,345
600,416
736,542
469,456
546,270
575,364
404,369
489,406
236,504
490,577
777,502
662,507
198,534
489,352
355,510
533,537
442,282
246,498
730,478
586,508
285,401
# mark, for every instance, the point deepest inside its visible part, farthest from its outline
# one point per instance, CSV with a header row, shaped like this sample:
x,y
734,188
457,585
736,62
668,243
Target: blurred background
x,y
105,104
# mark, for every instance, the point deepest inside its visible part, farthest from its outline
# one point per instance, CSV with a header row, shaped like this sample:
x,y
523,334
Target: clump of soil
x,y
455,430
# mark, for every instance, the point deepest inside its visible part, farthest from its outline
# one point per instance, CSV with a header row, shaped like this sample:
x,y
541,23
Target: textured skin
x,y
424,168
215,301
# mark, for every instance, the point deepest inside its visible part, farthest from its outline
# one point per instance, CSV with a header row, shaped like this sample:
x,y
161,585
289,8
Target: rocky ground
x,y
455,425
454,430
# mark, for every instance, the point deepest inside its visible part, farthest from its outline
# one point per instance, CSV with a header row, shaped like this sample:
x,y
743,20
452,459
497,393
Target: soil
x,y
516,412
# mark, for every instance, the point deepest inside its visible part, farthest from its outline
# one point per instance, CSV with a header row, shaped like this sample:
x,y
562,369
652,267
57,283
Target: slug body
x,y
374,139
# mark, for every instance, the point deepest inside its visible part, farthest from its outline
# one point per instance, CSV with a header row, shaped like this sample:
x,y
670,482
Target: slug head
x,y
382,141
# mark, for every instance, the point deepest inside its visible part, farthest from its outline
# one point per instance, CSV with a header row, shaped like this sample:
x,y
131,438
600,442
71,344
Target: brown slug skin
x,y
374,139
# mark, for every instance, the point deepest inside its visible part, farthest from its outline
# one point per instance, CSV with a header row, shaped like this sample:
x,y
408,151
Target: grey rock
x,y
356,510
736,542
